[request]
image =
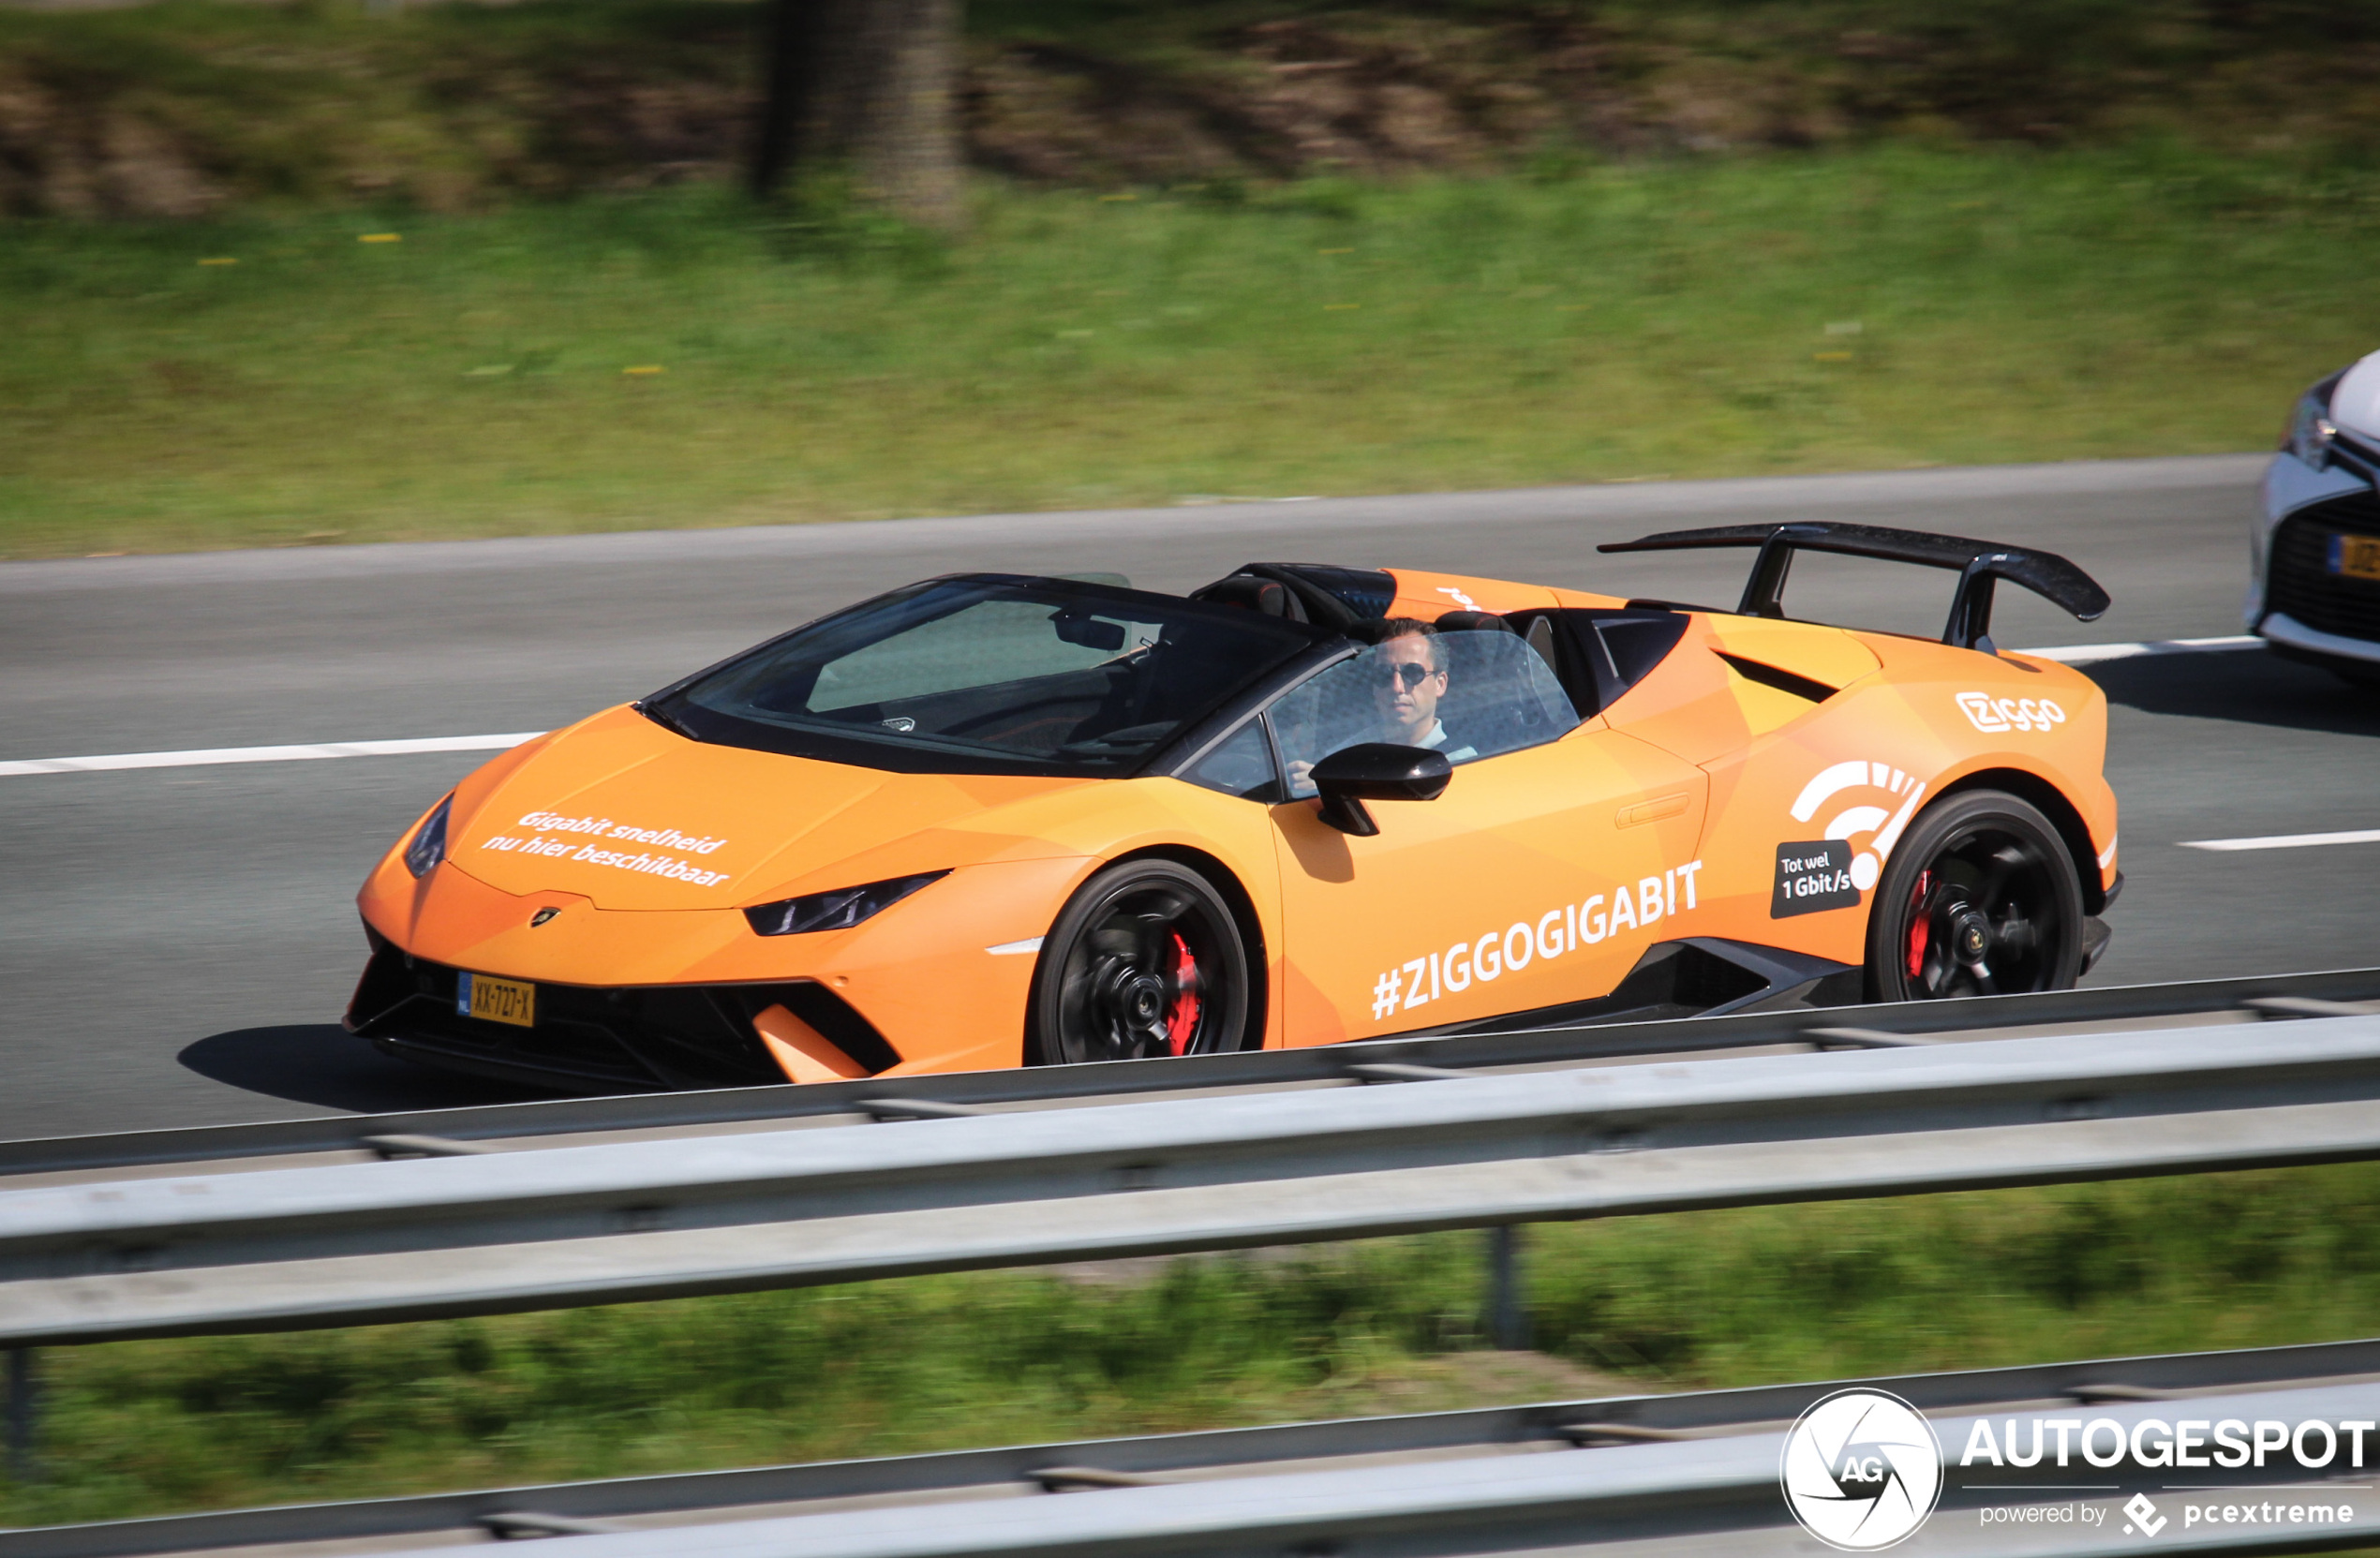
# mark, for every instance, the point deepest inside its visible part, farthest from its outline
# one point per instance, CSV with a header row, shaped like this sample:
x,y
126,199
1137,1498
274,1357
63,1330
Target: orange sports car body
x,y
991,820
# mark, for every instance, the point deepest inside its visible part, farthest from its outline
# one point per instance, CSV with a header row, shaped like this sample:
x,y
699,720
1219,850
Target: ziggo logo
x,y
1990,713
1556,932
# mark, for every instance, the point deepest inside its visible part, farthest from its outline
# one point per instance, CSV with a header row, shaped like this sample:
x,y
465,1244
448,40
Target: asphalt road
x,y
176,943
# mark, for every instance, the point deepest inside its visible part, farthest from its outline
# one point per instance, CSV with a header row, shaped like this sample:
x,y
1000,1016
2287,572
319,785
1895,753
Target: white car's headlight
x,y
2311,430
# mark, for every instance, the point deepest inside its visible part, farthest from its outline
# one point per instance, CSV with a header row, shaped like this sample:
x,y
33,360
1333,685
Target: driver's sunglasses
x,y
1410,673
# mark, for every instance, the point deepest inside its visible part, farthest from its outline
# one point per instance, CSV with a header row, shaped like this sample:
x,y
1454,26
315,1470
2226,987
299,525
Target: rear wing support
x,y
1980,564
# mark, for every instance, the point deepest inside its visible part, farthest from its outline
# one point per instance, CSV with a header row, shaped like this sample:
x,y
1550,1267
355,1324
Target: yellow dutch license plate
x,y
2355,556
511,1000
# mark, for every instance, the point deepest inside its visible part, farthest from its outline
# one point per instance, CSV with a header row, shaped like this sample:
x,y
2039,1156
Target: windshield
x,y
987,675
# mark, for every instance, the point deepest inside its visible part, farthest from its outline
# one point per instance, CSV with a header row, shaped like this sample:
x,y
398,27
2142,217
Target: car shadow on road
x,y
2249,686
327,1066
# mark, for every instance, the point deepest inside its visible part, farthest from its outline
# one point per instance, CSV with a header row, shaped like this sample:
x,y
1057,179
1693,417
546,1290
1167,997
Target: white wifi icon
x,y
1865,818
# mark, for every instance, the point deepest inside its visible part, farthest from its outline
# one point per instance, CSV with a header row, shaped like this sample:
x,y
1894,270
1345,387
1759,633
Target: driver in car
x,y
1409,666
1406,670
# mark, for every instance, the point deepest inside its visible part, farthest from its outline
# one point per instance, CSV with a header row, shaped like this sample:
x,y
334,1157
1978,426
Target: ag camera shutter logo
x,y
1861,1469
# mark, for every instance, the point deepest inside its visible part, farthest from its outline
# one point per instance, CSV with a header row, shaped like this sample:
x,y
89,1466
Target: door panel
x,y
1537,878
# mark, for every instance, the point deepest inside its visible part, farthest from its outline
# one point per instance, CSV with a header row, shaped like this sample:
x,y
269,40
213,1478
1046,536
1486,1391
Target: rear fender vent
x,y
1783,681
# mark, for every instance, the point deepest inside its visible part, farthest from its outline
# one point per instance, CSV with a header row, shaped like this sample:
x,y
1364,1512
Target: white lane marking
x,y
2091,654
1013,949
2286,840
2075,654
205,757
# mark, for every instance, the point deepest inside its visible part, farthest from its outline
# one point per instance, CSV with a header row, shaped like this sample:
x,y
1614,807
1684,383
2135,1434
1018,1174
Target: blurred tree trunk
x,y
866,87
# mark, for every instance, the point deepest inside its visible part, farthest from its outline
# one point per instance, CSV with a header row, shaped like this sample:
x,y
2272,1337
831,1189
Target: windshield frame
x,y
674,708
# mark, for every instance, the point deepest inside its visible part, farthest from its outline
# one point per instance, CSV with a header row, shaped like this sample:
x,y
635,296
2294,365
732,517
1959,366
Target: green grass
x,y
1888,307
1801,1293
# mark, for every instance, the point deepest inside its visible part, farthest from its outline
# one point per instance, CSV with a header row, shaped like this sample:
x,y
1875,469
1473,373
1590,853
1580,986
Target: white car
x,y
2315,594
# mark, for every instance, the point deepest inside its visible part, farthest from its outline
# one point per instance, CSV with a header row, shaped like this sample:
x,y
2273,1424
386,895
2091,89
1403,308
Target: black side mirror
x,y
1377,771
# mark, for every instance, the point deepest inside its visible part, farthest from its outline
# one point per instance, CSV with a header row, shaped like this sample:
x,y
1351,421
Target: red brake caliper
x,y
1182,1021
1921,928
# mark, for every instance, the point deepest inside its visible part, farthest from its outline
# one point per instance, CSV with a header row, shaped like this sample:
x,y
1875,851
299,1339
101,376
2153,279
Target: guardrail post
x,y
25,1392
1507,1316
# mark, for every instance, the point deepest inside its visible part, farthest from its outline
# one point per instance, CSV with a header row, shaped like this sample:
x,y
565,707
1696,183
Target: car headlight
x,y
429,840
839,909
2311,430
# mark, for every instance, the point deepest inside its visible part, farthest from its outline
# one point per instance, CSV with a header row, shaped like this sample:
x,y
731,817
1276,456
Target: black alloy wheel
x,y
1145,961
1981,898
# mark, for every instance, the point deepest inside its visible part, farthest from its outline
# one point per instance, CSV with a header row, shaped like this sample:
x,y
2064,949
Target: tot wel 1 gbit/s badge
x,y
1861,1471
1817,875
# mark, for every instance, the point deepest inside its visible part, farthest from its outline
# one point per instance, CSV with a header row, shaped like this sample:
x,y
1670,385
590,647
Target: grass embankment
x,y
673,359
1965,1281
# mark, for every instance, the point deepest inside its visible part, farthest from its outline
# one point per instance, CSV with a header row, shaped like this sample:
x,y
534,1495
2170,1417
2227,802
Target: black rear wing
x,y
1979,563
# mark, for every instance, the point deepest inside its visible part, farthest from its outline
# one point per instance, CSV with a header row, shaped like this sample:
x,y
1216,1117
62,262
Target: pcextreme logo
x,y
1861,1471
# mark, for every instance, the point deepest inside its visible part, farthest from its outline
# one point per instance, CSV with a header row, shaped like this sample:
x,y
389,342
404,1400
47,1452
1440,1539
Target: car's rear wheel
x,y
1981,898
1145,961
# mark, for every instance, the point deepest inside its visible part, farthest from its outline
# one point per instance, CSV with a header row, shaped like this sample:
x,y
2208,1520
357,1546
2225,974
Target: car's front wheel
x,y
1144,961
1981,898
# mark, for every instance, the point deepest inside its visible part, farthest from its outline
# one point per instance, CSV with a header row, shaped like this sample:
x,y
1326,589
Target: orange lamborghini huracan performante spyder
x,y
992,820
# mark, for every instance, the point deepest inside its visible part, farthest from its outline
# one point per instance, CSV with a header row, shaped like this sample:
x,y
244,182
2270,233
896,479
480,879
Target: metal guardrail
x,y
1602,1474
280,1249
1614,1499
845,1102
